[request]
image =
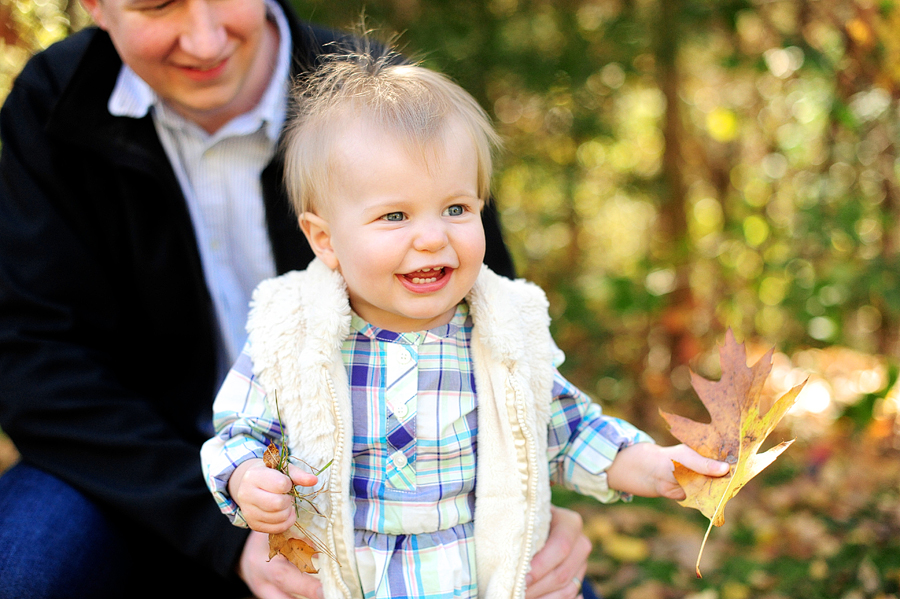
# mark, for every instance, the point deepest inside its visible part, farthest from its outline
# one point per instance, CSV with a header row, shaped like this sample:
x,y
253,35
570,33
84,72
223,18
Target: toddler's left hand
x,y
667,486
646,469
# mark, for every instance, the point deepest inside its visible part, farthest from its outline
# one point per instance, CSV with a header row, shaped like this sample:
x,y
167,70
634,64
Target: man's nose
x,y
203,34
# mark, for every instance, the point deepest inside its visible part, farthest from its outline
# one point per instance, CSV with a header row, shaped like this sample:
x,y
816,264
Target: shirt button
x,y
399,459
403,357
399,410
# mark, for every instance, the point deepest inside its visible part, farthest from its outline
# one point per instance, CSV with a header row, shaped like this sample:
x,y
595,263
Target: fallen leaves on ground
x,y
735,433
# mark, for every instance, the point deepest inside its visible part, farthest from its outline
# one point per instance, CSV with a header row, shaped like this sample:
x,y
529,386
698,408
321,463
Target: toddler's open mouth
x,y
425,276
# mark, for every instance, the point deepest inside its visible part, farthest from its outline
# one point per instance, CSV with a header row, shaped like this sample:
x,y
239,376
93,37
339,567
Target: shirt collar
x,y
133,97
457,323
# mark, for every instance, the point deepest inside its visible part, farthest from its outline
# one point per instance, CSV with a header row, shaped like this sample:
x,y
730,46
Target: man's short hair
x,y
408,100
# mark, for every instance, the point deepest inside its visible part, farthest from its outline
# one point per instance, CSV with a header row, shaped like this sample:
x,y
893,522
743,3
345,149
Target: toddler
x,y
430,381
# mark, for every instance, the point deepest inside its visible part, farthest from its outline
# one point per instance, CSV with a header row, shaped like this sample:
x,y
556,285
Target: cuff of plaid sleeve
x,y
588,476
237,518
230,508
641,437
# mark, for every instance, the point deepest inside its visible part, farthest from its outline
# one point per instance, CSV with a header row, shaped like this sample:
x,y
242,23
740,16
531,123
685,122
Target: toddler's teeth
x,y
420,280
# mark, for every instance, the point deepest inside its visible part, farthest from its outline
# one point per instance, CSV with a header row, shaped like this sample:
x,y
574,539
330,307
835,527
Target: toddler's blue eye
x,y
455,210
393,216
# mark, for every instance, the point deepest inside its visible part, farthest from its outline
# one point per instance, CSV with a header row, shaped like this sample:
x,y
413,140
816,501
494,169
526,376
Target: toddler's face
x,y
404,231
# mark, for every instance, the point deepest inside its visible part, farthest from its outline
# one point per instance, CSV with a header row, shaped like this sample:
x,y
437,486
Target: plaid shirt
x,y
414,445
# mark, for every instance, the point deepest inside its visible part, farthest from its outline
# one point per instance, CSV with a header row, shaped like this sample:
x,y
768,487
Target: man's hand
x,y
559,567
275,579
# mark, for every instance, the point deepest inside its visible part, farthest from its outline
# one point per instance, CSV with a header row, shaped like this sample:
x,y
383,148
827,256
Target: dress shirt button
x,y
399,410
403,357
399,459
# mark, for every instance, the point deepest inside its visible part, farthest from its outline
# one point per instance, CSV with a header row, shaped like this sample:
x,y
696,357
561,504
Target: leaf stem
x,y
720,504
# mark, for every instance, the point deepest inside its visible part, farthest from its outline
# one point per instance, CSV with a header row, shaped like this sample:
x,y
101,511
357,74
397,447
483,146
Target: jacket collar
x,y
81,116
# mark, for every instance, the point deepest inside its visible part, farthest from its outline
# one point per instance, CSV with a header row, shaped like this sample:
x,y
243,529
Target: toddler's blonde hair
x,y
412,102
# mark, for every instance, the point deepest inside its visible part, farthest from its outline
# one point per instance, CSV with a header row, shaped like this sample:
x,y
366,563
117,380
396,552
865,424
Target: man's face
x,y
210,60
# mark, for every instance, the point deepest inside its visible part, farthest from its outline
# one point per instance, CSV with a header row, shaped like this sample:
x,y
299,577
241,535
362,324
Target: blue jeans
x,y
55,542
588,591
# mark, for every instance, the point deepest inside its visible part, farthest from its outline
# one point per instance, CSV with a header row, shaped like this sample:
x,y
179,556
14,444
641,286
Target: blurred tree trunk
x,y
672,243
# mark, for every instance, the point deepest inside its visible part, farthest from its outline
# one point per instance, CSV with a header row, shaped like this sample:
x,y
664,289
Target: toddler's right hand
x,y
262,495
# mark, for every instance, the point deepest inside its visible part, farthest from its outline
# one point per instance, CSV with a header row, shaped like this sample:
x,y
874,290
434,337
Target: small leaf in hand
x,y
271,457
297,551
734,435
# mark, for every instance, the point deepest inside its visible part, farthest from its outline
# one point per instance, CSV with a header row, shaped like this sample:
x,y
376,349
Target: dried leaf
x,y
735,433
272,457
297,551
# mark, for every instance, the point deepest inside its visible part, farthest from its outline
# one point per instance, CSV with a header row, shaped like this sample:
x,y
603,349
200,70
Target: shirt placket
x,y
401,391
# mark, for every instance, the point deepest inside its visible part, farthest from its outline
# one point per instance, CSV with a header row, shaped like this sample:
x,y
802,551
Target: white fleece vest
x,y
296,327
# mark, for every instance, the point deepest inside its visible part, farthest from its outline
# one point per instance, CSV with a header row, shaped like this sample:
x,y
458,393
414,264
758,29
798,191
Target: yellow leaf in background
x,y
626,549
735,433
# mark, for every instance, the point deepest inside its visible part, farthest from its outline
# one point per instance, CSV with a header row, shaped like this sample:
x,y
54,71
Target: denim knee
x,y
56,542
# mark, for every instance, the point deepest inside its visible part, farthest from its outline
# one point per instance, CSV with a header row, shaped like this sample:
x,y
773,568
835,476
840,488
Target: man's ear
x,y
96,11
318,233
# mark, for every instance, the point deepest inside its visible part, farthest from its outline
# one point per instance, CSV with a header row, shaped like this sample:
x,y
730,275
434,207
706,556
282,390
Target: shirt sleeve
x,y
244,425
582,442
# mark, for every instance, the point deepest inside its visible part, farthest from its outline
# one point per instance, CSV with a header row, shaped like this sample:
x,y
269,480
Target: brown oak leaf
x,y
297,551
735,433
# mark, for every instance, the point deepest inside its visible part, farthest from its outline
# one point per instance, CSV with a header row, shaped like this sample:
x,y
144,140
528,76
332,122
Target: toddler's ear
x,y
318,234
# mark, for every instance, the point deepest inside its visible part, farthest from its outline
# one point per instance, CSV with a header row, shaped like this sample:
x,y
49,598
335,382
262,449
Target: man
x,y
140,202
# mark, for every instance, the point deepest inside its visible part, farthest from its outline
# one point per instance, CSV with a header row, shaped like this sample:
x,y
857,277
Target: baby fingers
x,y
692,460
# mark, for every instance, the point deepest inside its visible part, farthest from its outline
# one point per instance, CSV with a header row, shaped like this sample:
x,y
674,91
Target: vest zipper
x,y
531,505
334,565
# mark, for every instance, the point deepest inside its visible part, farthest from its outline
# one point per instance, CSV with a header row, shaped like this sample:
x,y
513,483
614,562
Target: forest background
x,y
674,168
